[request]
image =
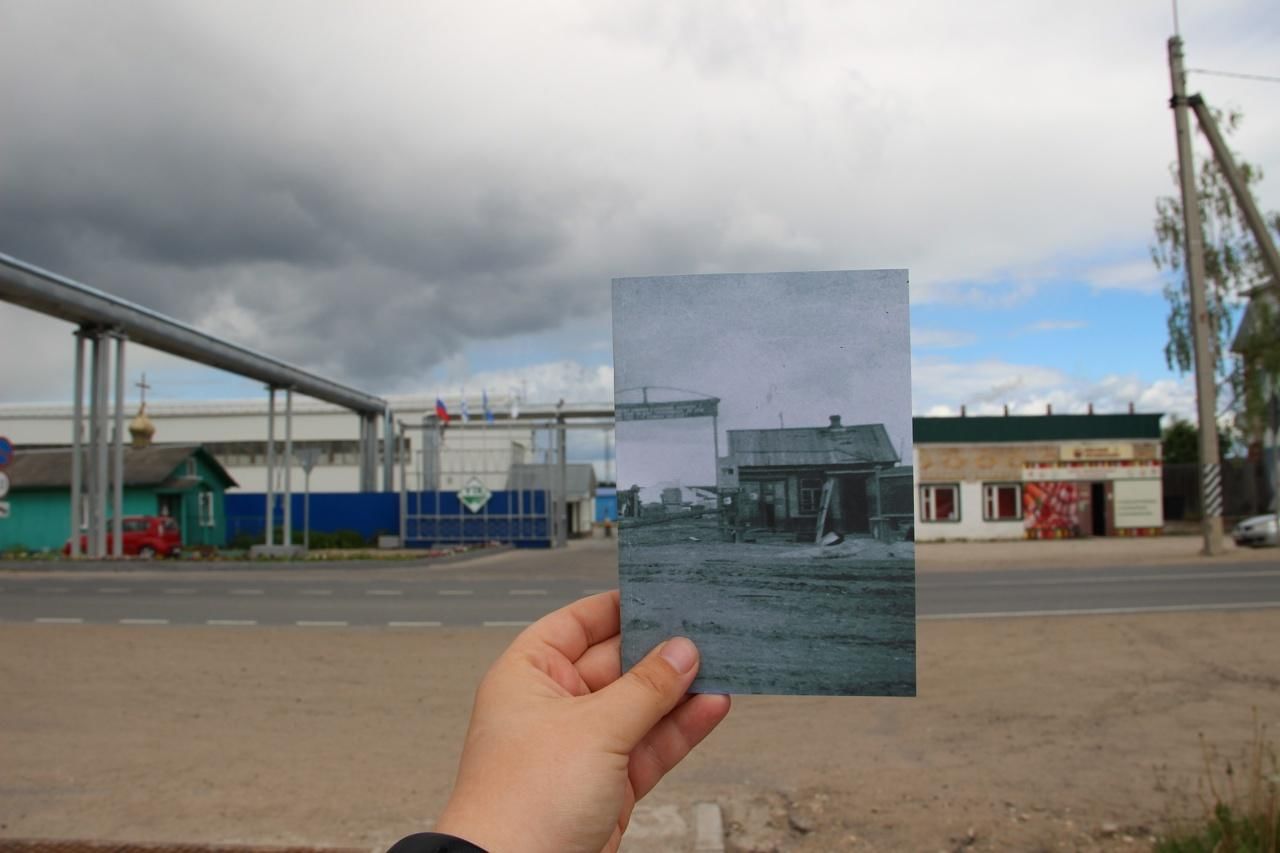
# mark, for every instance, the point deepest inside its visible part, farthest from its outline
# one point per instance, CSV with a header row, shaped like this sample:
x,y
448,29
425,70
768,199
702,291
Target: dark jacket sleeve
x,y
434,842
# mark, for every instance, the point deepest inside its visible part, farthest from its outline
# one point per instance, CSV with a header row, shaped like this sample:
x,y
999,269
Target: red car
x,y
145,536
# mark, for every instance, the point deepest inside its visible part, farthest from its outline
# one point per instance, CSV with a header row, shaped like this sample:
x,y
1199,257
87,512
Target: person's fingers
x,y
601,664
576,627
669,741
647,692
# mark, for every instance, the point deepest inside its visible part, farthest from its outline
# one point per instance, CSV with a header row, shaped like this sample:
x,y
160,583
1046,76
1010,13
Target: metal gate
x,y
480,482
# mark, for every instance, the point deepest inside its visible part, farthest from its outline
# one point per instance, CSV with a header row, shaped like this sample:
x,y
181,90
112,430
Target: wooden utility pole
x,y
1206,396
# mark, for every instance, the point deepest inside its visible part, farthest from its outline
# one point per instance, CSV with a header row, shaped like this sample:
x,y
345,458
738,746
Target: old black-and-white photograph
x,y
764,478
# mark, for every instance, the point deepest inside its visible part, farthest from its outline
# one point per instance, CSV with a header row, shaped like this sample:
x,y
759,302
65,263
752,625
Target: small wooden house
x,y
184,482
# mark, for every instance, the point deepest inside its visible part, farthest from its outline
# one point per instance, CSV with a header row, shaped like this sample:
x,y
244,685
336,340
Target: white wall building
x,y
236,433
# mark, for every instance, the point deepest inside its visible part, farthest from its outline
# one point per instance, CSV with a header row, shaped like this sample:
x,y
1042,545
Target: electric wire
x,y
1263,78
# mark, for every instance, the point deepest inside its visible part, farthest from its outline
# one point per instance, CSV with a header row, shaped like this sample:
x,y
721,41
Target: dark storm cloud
x,y
164,167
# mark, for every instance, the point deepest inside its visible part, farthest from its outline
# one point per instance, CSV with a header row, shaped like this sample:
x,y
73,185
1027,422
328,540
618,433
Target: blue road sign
x,y
6,452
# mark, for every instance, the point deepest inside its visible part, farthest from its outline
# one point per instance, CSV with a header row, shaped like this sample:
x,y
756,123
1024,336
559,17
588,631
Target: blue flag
x,y
488,413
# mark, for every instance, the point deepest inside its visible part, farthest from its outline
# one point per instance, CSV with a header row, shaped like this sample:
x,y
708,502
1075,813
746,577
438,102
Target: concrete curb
x,y
708,824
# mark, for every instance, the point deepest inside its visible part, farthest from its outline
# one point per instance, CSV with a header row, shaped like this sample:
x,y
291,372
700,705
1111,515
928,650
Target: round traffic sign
x,y
6,452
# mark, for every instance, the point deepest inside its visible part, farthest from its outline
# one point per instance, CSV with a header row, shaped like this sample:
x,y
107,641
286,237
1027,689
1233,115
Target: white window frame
x,y
208,513
991,501
928,503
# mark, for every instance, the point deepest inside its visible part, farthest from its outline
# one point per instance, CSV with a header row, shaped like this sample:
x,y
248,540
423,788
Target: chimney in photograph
x,y
835,422
1048,408
1131,407
1006,410
1091,408
963,412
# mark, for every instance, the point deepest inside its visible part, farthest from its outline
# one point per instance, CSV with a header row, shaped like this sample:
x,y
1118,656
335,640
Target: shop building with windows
x,y
1037,476
807,481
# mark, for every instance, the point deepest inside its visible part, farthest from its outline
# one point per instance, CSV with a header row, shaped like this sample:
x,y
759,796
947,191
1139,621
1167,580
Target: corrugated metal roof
x,y
580,478
150,466
862,444
1026,428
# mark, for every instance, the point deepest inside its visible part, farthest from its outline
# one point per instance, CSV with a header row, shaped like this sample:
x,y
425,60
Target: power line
x,y
1260,77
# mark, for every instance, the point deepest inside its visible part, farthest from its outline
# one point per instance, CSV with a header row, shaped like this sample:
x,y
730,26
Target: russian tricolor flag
x,y
441,412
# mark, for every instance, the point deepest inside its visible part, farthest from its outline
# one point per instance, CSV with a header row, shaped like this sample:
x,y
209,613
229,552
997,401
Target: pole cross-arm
x,y
1253,218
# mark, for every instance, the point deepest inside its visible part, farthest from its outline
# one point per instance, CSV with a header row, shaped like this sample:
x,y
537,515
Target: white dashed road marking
x,y
144,621
58,620
526,592
306,623
414,624
384,592
232,622
457,592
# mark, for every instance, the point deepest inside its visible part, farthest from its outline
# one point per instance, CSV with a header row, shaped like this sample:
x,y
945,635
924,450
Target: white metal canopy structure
x,y
101,316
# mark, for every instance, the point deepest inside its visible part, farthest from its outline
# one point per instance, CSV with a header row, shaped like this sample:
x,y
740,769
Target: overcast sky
x,y
426,196
777,349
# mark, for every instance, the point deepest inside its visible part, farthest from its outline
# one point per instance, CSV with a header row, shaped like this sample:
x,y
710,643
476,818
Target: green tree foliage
x,y
1234,270
1180,443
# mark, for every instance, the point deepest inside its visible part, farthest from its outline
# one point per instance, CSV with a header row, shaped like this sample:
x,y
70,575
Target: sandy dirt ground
x,y
1036,734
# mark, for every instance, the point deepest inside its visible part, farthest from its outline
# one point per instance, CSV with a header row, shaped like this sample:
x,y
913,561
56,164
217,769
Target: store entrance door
x,y
1098,505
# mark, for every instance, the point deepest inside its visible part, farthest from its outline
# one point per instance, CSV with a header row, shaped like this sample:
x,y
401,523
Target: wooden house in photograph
x,y
810,481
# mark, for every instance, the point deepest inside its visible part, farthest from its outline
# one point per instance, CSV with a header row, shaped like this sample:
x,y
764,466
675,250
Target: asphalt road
x,y
515,588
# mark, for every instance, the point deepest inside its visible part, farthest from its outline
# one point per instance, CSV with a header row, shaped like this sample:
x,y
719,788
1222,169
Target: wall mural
x,y
1052,510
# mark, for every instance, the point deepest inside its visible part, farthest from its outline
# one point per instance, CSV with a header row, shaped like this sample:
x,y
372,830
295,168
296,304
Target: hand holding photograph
x,y
765,497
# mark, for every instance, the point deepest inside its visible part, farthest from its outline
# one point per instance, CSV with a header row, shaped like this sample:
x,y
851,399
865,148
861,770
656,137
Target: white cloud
x,y
985,387
1055,326
941,338
1140,276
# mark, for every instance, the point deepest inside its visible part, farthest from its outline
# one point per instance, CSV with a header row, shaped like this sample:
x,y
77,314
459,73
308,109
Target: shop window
x,y
810,494
940,503
1002,502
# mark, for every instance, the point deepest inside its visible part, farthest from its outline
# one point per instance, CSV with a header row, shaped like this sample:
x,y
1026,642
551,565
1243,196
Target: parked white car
x,y
1258,530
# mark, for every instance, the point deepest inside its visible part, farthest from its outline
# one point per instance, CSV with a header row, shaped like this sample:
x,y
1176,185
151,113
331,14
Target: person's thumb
x,y
648,691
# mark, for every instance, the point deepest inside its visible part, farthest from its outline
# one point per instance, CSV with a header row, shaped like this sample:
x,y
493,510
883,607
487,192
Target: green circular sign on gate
x,y
474,495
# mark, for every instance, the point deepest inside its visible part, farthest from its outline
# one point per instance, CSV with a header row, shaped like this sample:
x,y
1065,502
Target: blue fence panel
x,y
606,505
371,514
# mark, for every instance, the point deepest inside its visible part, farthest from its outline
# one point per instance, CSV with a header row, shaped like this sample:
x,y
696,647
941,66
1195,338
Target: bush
x,y
1236,820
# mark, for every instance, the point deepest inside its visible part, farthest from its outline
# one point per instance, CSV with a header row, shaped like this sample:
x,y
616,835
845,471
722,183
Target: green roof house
x,y
184,482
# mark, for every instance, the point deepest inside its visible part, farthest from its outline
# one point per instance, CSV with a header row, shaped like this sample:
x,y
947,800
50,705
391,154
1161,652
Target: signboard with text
x,y
707,408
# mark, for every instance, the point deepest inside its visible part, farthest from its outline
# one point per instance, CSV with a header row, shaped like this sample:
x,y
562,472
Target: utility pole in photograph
x,y
1206,396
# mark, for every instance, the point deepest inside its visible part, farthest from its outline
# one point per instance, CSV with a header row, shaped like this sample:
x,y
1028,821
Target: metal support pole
x,y
371,448
390,451
1258,225
562,448
117,474
100,449
288,467
404,488
271,465
77,448
1206,404
306,513
362,458
95,438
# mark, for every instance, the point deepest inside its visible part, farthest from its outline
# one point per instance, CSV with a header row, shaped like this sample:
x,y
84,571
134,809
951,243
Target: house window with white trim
x,y
1002,502
940,503
207,511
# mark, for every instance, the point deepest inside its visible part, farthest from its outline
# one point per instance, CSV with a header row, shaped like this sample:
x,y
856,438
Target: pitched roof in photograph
x,y
150,466
1031,428
861,444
